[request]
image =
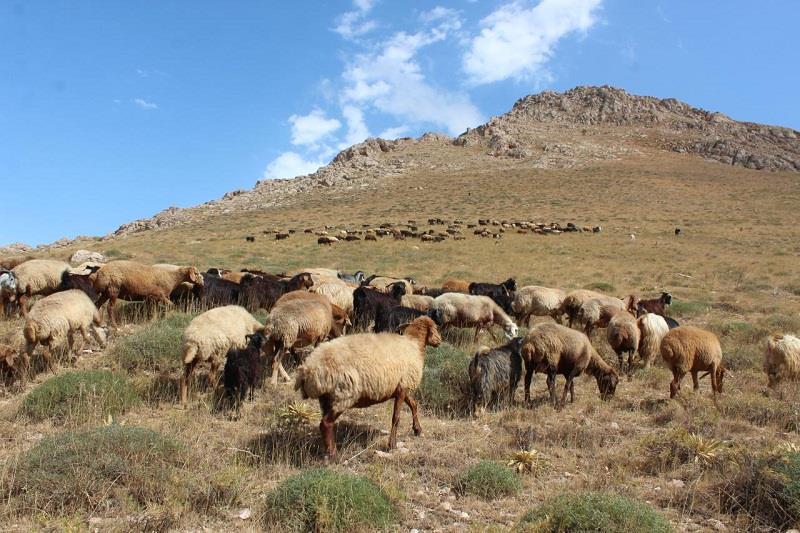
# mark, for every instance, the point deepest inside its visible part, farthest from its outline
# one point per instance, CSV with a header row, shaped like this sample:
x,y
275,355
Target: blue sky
x,y
113,110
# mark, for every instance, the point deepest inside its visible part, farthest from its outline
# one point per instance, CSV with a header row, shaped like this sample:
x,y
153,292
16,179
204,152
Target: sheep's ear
x,y
401,329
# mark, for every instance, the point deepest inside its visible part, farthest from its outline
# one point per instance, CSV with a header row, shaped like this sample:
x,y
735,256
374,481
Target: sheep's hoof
x,y
417,432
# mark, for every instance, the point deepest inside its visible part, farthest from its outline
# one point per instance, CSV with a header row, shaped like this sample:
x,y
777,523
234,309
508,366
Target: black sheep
x,y
369,303
495,374
502,294
244,369
257,292
388,319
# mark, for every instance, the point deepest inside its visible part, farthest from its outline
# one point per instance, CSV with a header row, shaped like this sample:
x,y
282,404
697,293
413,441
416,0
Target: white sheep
x,y
56,318
652,328
689,349
38,277
367,369
467,310
533,300
210,335
339,293
420,302
782,359
382,283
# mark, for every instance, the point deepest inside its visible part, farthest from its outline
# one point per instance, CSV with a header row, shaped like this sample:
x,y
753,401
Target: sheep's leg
x,y
528,379
399,398
47,356
112,303
22,301
285,375
478,332
276,363
551,386
188,368
621,358
412,404
695,380
212,373
572,391
567,386
675,385
326,425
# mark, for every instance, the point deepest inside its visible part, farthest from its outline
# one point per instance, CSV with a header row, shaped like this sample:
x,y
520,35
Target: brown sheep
x,y
623,335
689,349
455,285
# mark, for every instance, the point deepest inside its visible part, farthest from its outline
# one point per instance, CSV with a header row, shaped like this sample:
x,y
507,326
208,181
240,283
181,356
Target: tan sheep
x,y
689,349
782,359
209,336
533,300
420,302
467,311
367,369
574,300
133,281
555,349
38,277
382,283
339,293
597,312
652,328
56,318
623,335
456,285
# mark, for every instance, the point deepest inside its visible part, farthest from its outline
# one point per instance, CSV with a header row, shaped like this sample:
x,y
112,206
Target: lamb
x,y
56,318
455,285
133,281
502,294
782,359
260,293
369,303
243,370
494,374
690,349
391,319
364,370
555,349
623,335
420,302
466,310
597,312
298,322
652,328
210,335
37,277
340,294
533,300
574,300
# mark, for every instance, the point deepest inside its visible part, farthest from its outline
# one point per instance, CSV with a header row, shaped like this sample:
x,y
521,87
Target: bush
x,y
594,511
77,397
323,500
688,308
154,347
445,383
489,480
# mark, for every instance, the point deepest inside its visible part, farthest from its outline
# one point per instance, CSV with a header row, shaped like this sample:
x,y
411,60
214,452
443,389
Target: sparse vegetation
x,y
445,383
489,480
154,347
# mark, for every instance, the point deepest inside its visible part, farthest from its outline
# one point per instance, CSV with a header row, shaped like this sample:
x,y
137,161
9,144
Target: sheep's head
x,y
359,276
666,298
633,304
193,276
607,384
256,340
510,284
423,327
340,321
8,281
511,330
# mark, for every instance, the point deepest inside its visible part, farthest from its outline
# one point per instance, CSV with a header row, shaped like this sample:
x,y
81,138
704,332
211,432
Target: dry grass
x,y
734,271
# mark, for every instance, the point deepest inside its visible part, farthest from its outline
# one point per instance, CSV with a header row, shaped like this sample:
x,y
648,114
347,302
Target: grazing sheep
x,y
56,318
297,322
689,349
420,302
327,239
84,282
8,291
466,311
502,294
217,291
8,263
494,374
340,294
258,292
37,277
133,281
597,312
652,328
782,359
14,365
574,300
555,349
533,300
656,305
623,335
390,319
385,283
210,335
369,303
243,370
367,369
356,278
455,285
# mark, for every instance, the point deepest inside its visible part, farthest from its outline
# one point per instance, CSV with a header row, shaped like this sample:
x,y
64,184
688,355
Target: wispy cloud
x,y
290,165
144,104
353,24
517,41
310,129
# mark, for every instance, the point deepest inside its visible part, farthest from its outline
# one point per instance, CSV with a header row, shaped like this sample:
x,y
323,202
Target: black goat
x,y
369,303
217,291
494,375
655,305
244,369
257,292
502,294
388,319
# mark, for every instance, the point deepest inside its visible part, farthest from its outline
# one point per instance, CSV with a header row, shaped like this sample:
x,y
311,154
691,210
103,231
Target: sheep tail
x,y
190,354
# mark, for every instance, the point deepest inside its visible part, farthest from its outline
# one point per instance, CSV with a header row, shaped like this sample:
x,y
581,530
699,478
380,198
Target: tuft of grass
x,y
600,286
323,500
666,450
489,480
155,347
78,397
594,511
688,308
528,461
445,384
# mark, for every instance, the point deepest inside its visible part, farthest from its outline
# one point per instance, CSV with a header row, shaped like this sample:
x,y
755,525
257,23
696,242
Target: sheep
x,y
13,364
420,302
8,291
209,336
533,300
597,312
623,335
55,319
37,277
303,321
318,275
133,281
782,359
356,278
340,294
690,349
494,374
671,322
656,305
217,291
84,282
574,300
367,369
555,349
502,294
652,328
261,293
384,283
394,317
467,310
368,303
243,369
455,285
8,263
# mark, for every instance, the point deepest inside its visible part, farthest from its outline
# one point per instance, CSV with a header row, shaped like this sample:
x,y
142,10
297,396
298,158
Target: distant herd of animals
x,y
394,319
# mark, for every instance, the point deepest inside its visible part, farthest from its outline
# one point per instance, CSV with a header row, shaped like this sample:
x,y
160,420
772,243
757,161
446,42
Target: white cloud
x,y
516,41
354,24
144,104
310,129
290,165
393,133
364,5
357,129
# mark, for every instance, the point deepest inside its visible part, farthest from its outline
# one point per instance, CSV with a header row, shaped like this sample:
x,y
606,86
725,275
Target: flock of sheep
x,y
396,320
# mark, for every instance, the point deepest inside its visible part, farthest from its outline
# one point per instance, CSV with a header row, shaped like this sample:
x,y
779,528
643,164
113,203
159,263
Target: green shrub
x,y
77,397
688,308
323,500
594,511
489,480
445,383
155,346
